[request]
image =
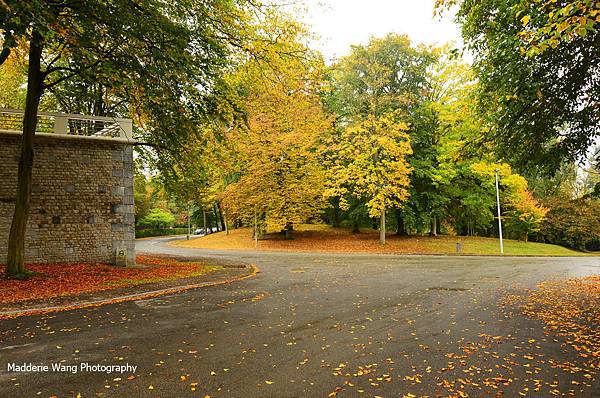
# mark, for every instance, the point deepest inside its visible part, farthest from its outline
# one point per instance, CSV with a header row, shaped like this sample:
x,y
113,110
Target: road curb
x,y
254,270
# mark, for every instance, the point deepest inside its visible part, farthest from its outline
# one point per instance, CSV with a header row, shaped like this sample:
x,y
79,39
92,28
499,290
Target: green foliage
x,y
13,78
571,223
158,62
142,196
387,75
157,218
149,232
537,65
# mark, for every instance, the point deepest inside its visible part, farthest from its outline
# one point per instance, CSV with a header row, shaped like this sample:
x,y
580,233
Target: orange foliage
x,y
56,280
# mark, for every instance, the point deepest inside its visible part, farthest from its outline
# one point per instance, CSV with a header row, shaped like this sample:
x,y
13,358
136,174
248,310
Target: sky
x,y
340,23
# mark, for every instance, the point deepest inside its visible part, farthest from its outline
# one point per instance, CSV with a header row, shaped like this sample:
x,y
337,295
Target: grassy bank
x,y
321,238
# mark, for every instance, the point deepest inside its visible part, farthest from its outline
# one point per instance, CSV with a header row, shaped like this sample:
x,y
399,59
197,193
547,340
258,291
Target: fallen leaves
x,y
569,309
323,238
57,280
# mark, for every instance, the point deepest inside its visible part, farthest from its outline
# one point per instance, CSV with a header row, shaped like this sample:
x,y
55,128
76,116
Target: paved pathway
x,y
309,325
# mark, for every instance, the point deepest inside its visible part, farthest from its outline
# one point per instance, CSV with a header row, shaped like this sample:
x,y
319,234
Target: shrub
x,y
146,233
157,219
571,223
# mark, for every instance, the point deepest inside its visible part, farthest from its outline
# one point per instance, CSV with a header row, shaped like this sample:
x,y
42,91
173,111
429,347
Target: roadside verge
x,y
229,272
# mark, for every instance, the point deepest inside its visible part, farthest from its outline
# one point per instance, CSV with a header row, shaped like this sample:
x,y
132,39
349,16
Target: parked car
x,y
202,232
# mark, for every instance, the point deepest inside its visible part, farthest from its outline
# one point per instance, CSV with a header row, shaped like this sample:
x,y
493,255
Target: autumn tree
x,y
13,76
388,76
372,165
161,57
277,177
537,65
521,213
571,222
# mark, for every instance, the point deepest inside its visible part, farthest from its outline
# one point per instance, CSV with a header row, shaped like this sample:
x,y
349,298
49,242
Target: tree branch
x,y
155,146
4,54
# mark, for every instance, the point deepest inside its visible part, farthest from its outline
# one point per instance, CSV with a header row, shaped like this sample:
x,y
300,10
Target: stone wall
x,y
82,199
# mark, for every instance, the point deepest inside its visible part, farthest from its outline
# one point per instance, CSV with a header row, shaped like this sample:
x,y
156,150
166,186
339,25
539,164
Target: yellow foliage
x,y
371,164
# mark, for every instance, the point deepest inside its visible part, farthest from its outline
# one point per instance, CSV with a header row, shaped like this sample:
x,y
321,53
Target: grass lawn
x,y
323,238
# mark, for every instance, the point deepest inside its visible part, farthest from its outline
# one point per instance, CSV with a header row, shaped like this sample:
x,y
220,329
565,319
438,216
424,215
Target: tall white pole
x,y
499,214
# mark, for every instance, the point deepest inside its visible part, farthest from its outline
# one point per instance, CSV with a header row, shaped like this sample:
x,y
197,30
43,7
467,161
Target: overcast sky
x,y
341,23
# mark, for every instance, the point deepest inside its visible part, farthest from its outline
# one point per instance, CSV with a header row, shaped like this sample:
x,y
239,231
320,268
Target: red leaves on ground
x,y
55,280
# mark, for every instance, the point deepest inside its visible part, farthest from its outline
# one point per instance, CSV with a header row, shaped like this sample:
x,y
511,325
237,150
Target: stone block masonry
x,y
82,198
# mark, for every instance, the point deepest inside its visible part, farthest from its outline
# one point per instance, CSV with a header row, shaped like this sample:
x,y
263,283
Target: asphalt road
x,y
311,325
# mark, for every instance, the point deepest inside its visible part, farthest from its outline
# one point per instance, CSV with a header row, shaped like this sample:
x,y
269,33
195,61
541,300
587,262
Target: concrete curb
x,y
254,270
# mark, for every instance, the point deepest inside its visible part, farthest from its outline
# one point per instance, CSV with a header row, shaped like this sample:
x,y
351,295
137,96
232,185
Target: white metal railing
x,y
11,120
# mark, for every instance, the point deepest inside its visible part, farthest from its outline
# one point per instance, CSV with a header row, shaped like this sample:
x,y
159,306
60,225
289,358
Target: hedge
x,y
146,233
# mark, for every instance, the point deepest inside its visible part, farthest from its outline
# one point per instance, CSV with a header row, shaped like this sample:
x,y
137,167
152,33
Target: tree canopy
x,y
537,65
238,117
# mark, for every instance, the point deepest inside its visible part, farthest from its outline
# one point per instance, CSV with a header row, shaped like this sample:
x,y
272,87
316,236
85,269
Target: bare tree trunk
x,y
18,228
434,226
189,226
287,230
335,220
382,227
216,213
223,223
400,229
204,219
255,229
355,227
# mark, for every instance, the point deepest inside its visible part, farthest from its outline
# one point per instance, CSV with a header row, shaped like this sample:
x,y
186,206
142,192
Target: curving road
x,y
311,325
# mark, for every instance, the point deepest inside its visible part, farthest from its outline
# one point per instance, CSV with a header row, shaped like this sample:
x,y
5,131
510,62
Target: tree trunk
x,y
355,227
255,237
400,229
335,221
215,225
216,212
223,223
189,225
289,228
204,220
18,228
382,227
433,226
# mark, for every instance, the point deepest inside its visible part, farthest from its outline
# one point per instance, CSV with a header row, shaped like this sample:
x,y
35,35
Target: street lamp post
x,y
499,214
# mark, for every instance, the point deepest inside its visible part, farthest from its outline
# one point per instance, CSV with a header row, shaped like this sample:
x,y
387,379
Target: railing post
x,y
60,125
125,129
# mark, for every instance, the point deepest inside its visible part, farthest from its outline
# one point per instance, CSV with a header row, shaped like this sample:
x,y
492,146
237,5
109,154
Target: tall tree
x,y
372,166
537,64
164,55
277,177
390,76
